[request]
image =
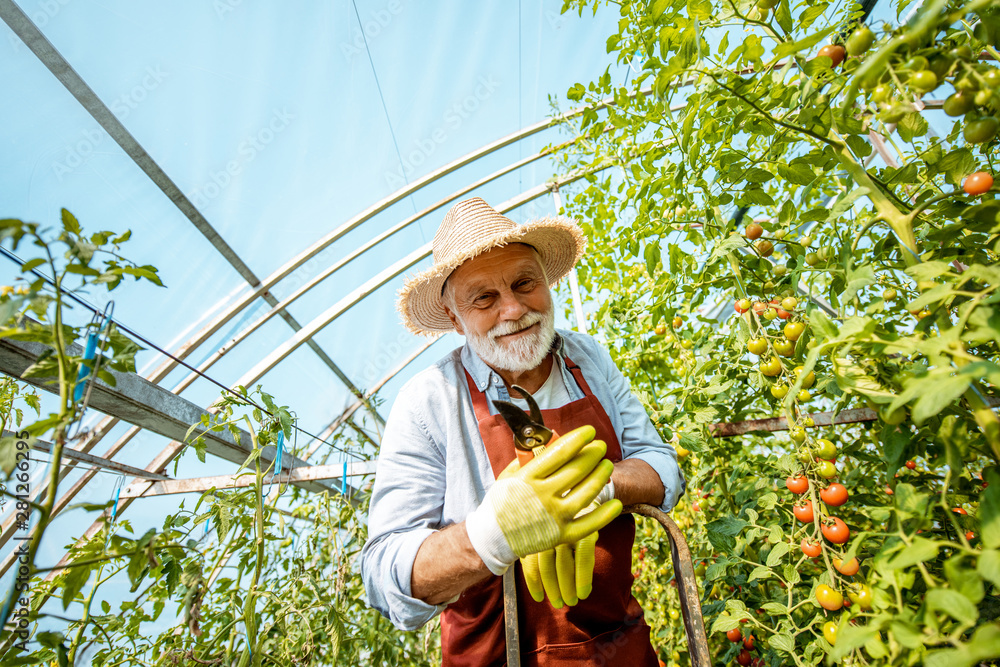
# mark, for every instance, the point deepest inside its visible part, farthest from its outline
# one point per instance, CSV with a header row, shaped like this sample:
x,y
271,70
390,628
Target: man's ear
x,y
455,322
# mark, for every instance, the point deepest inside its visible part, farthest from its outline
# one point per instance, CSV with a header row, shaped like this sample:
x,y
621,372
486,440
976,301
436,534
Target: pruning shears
x,y
530,433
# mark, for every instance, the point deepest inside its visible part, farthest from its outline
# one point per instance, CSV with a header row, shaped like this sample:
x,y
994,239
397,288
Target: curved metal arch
x,y
354,254
321,321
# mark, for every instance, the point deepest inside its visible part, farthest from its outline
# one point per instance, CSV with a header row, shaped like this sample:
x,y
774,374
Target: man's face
x,y
500,302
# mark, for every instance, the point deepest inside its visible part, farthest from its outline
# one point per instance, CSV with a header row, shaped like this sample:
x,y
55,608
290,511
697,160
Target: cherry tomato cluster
x,y
770,347
911,73
744,657
819,461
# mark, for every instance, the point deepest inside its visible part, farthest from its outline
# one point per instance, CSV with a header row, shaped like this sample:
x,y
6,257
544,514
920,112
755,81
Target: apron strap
x,y
578,376
478,399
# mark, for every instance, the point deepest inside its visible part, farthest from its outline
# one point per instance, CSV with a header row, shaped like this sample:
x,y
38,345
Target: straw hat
x,y
471,228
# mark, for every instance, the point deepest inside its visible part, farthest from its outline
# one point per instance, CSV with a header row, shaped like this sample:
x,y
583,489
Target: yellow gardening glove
x,y
535,508
565,574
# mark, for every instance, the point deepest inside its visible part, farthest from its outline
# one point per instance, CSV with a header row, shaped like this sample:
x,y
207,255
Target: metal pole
x,y
574,283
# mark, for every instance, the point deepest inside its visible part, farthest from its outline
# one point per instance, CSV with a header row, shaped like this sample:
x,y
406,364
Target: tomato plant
x,y
857,179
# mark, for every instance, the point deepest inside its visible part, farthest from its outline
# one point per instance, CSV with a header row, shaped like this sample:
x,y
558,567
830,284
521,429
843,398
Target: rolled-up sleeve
x,y
640,439
405,509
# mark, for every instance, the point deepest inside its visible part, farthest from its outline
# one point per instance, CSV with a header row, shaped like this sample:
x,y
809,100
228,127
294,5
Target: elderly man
x,y
451,508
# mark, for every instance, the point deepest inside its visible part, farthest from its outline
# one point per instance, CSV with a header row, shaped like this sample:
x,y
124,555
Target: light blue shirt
x,y
433,469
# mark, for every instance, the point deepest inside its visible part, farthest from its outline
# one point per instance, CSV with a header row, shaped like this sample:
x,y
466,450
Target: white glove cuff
x,y
488,540
606,494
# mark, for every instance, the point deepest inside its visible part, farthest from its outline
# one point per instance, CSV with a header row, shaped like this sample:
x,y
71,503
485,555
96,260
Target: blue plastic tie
x,y
208,522
343,481
114,511
88,355
281,449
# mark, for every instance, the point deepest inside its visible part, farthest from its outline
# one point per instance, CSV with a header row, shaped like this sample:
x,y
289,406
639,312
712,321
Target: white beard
x,y
523,353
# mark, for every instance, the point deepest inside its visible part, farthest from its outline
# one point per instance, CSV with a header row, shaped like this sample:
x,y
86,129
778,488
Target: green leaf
x,y
721,532
788,48
783,642
652,255
952,603
927,271
760,572
70,223
989,566
31,264
777,553
857,279
920,551
945,391
989,511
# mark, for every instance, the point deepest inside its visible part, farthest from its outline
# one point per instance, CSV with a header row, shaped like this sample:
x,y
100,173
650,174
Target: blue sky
x,y
269,117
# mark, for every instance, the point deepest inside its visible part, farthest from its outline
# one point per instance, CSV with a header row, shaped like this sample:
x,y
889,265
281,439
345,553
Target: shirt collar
x,y
483,375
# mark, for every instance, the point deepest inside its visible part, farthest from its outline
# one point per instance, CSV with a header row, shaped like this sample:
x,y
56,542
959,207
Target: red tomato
x,y
834,495
798,484
978,183
911,465
742,305
811,548
754,231
744,658
759,307
834,52
959,510
734,635
748,643
847,569
803,511
969,536
783,314
835,530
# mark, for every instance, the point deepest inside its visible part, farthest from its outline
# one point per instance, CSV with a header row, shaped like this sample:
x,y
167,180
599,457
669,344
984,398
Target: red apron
x,y
605,629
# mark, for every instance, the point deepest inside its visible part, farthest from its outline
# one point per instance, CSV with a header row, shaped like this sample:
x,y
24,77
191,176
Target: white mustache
x,y
505,328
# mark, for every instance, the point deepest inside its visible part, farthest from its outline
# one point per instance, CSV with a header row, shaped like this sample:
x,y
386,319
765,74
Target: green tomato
x,y
780,270
963,52
757,346
826,469
860,41
807,380
785,348
803,396
992,78
882,93
779,391
789,303
889,294
940,64
826,449
895,113
916,63
798,434
771,367
982,130
960,103
923,81
812,259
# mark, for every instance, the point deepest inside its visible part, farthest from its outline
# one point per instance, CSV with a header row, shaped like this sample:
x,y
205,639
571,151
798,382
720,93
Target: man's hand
x,y
535,508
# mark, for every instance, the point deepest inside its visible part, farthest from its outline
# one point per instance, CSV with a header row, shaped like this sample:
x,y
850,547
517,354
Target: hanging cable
x,y
378,86
96,311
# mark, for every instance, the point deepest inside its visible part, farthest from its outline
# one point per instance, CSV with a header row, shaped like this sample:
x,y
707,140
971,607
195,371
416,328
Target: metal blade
x,y
527,433
536,414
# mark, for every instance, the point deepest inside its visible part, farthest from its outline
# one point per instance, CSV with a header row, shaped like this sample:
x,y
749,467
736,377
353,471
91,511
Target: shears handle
x,y
524,456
